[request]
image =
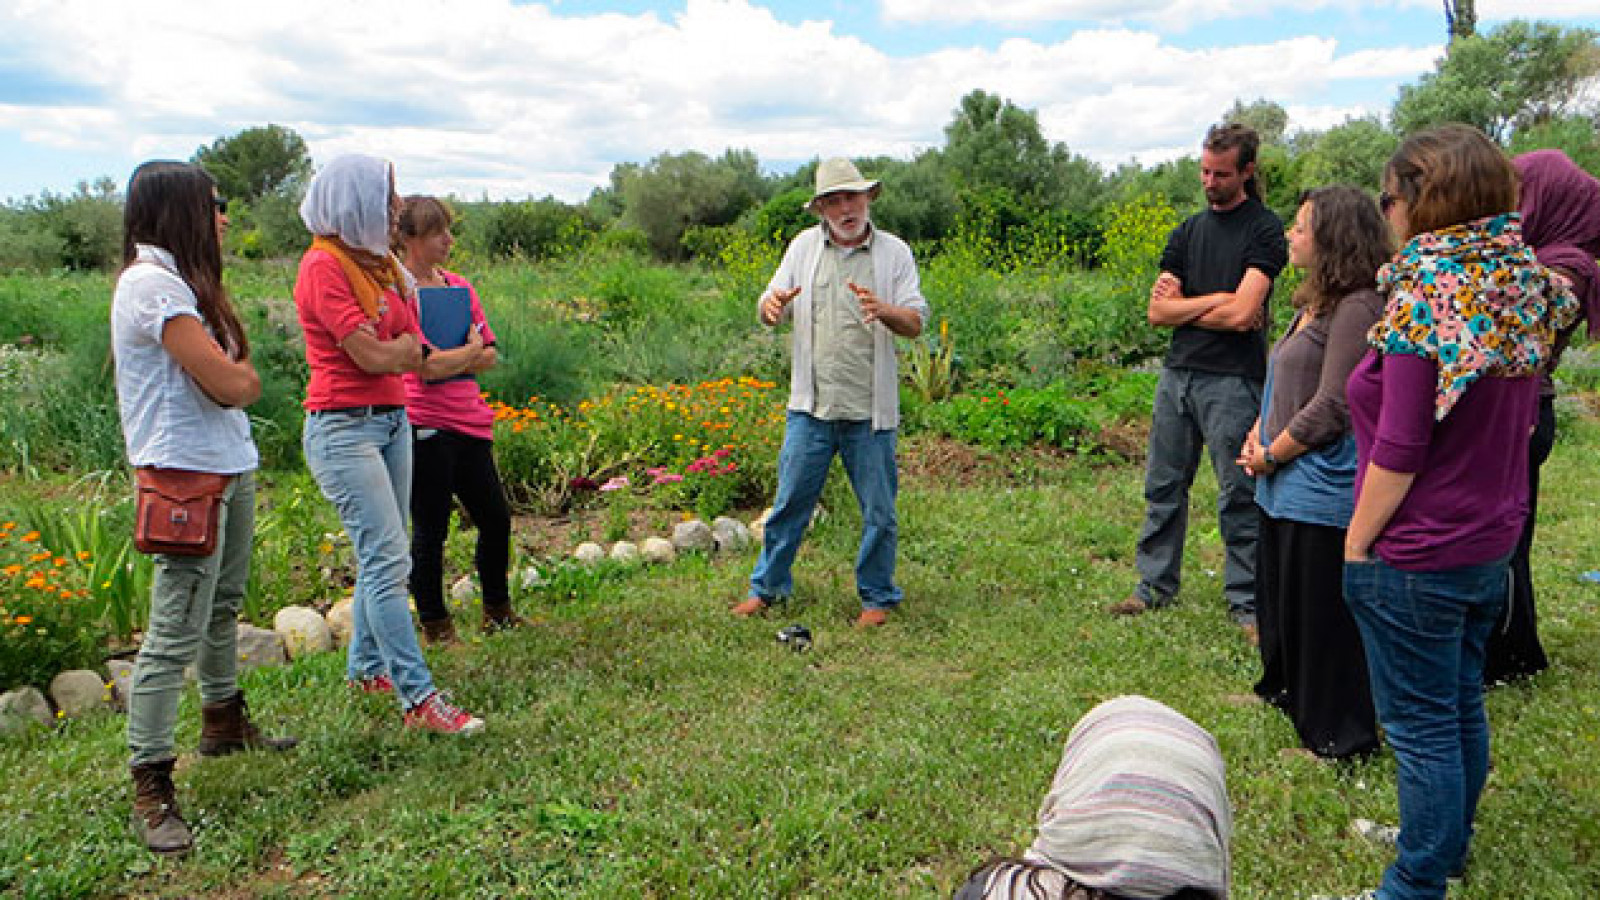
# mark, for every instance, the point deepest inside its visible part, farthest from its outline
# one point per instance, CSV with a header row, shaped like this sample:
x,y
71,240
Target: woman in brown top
x,y
1303,457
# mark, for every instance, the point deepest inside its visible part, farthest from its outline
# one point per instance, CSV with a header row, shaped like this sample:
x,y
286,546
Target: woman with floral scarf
x,y
1442,406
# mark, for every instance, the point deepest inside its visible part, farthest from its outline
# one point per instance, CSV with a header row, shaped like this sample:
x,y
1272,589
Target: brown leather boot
x,y
441,633
500,618
225,727
155,817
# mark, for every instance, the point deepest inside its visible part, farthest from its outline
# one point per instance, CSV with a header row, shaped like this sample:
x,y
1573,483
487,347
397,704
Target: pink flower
x,y
668,478
615,484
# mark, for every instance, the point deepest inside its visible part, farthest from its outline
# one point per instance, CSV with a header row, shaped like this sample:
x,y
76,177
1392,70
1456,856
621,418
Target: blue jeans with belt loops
x,y
809,445
1425,634
363,464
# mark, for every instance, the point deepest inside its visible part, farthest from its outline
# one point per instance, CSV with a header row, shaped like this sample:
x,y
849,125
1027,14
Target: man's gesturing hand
x,y
772,305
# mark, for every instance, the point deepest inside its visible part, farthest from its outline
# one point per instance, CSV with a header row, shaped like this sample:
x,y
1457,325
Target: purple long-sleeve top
x,y
1469,499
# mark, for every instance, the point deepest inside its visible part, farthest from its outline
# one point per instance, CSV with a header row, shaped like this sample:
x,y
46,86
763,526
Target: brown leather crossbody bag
x,y
179,512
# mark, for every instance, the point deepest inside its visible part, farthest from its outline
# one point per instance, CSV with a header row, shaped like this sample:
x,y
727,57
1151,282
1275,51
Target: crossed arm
x,y
1237,310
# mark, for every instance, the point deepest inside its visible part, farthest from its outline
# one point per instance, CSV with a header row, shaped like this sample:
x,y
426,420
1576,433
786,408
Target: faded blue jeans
x,y
809,445
363,464
1424,634
1193,410
194,618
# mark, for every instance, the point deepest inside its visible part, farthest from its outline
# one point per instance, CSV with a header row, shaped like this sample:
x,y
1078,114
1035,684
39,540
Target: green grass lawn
x,y
641,743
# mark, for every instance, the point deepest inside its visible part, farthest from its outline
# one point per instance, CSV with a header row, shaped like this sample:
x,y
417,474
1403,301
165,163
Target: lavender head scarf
x,y
349,199
1561,221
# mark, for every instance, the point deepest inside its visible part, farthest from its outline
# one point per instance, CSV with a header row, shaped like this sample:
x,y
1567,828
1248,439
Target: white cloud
x,y
486,97
1168,14
1544,9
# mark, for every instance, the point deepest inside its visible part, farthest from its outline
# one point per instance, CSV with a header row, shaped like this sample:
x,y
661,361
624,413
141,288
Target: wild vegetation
x,y
640,742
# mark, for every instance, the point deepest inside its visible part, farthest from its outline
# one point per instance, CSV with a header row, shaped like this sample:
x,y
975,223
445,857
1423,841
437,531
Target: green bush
x,y
47,623
1069,414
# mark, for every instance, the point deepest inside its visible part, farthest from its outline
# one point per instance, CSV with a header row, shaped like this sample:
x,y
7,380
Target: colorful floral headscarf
x,y
1473,298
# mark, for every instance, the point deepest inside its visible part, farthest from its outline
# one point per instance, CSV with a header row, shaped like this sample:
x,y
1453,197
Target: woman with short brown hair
x,y
1442,406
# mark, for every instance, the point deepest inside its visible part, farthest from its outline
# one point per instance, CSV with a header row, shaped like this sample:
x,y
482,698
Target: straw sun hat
x,y
839,174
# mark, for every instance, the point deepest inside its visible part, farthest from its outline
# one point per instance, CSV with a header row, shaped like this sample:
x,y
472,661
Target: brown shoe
x,y
225,727
872,618
1132,606
440,633
155,817
500,618
751,606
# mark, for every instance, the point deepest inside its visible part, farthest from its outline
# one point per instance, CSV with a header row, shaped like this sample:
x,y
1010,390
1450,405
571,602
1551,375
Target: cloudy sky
x,y
510,99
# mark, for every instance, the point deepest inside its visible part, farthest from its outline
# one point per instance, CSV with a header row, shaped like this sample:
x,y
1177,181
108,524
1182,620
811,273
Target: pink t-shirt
x,y
329,313
456,404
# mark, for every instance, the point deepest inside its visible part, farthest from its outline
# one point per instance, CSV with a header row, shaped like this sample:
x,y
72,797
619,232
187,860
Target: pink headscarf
x,y
1561,222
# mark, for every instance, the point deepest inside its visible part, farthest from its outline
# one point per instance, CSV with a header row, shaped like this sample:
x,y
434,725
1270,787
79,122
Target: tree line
x,y
995,182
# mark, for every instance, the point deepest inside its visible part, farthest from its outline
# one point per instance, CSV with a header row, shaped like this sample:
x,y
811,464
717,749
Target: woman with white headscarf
x,y
1138,810
360,336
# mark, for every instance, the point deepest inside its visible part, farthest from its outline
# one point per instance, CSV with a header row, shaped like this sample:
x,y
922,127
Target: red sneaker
x,y
374,684
439,715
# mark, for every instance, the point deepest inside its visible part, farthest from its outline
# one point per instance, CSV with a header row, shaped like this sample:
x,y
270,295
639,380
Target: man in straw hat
x,y
850,289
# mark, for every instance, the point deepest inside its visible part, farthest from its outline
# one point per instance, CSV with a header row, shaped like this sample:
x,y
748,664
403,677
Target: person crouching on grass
x,y
850,289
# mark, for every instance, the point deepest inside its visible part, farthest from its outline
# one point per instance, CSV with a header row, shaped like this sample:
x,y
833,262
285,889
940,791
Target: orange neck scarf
x,y
369,274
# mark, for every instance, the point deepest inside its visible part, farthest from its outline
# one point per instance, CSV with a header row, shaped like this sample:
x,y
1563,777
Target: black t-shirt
x,y
1210,252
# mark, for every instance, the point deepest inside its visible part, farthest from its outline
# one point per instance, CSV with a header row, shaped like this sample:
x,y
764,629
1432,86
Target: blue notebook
x,y
445,314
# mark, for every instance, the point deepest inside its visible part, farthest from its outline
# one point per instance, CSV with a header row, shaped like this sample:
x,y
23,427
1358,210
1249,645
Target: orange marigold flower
x,y
30,537
12,569
24,620
84,554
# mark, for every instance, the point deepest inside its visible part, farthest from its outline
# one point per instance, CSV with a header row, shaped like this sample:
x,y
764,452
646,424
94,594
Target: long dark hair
x,y
171,205
1351,241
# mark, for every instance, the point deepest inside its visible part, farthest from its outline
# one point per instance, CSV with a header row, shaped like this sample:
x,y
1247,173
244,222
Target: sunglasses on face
x,y
1386,201
221,203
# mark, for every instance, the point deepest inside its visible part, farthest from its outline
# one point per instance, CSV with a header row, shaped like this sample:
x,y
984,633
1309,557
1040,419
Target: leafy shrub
x,y
1015,418
99,535
1069,414
550,457
532,229
47,622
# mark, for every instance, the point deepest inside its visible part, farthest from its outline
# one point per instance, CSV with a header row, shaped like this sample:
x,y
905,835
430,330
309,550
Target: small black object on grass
x,y
797,637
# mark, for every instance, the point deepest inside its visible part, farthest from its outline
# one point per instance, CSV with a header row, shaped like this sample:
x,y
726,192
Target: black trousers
x,y
1514,650
1313,665
447,465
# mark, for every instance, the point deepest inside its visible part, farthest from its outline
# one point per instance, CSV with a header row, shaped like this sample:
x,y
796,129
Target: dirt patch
x,y
938,458
1128,440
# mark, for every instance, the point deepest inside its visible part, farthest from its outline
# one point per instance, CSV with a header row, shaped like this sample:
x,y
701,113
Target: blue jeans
x,y
809,445
194,618
1192,410
363,464
1424,634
